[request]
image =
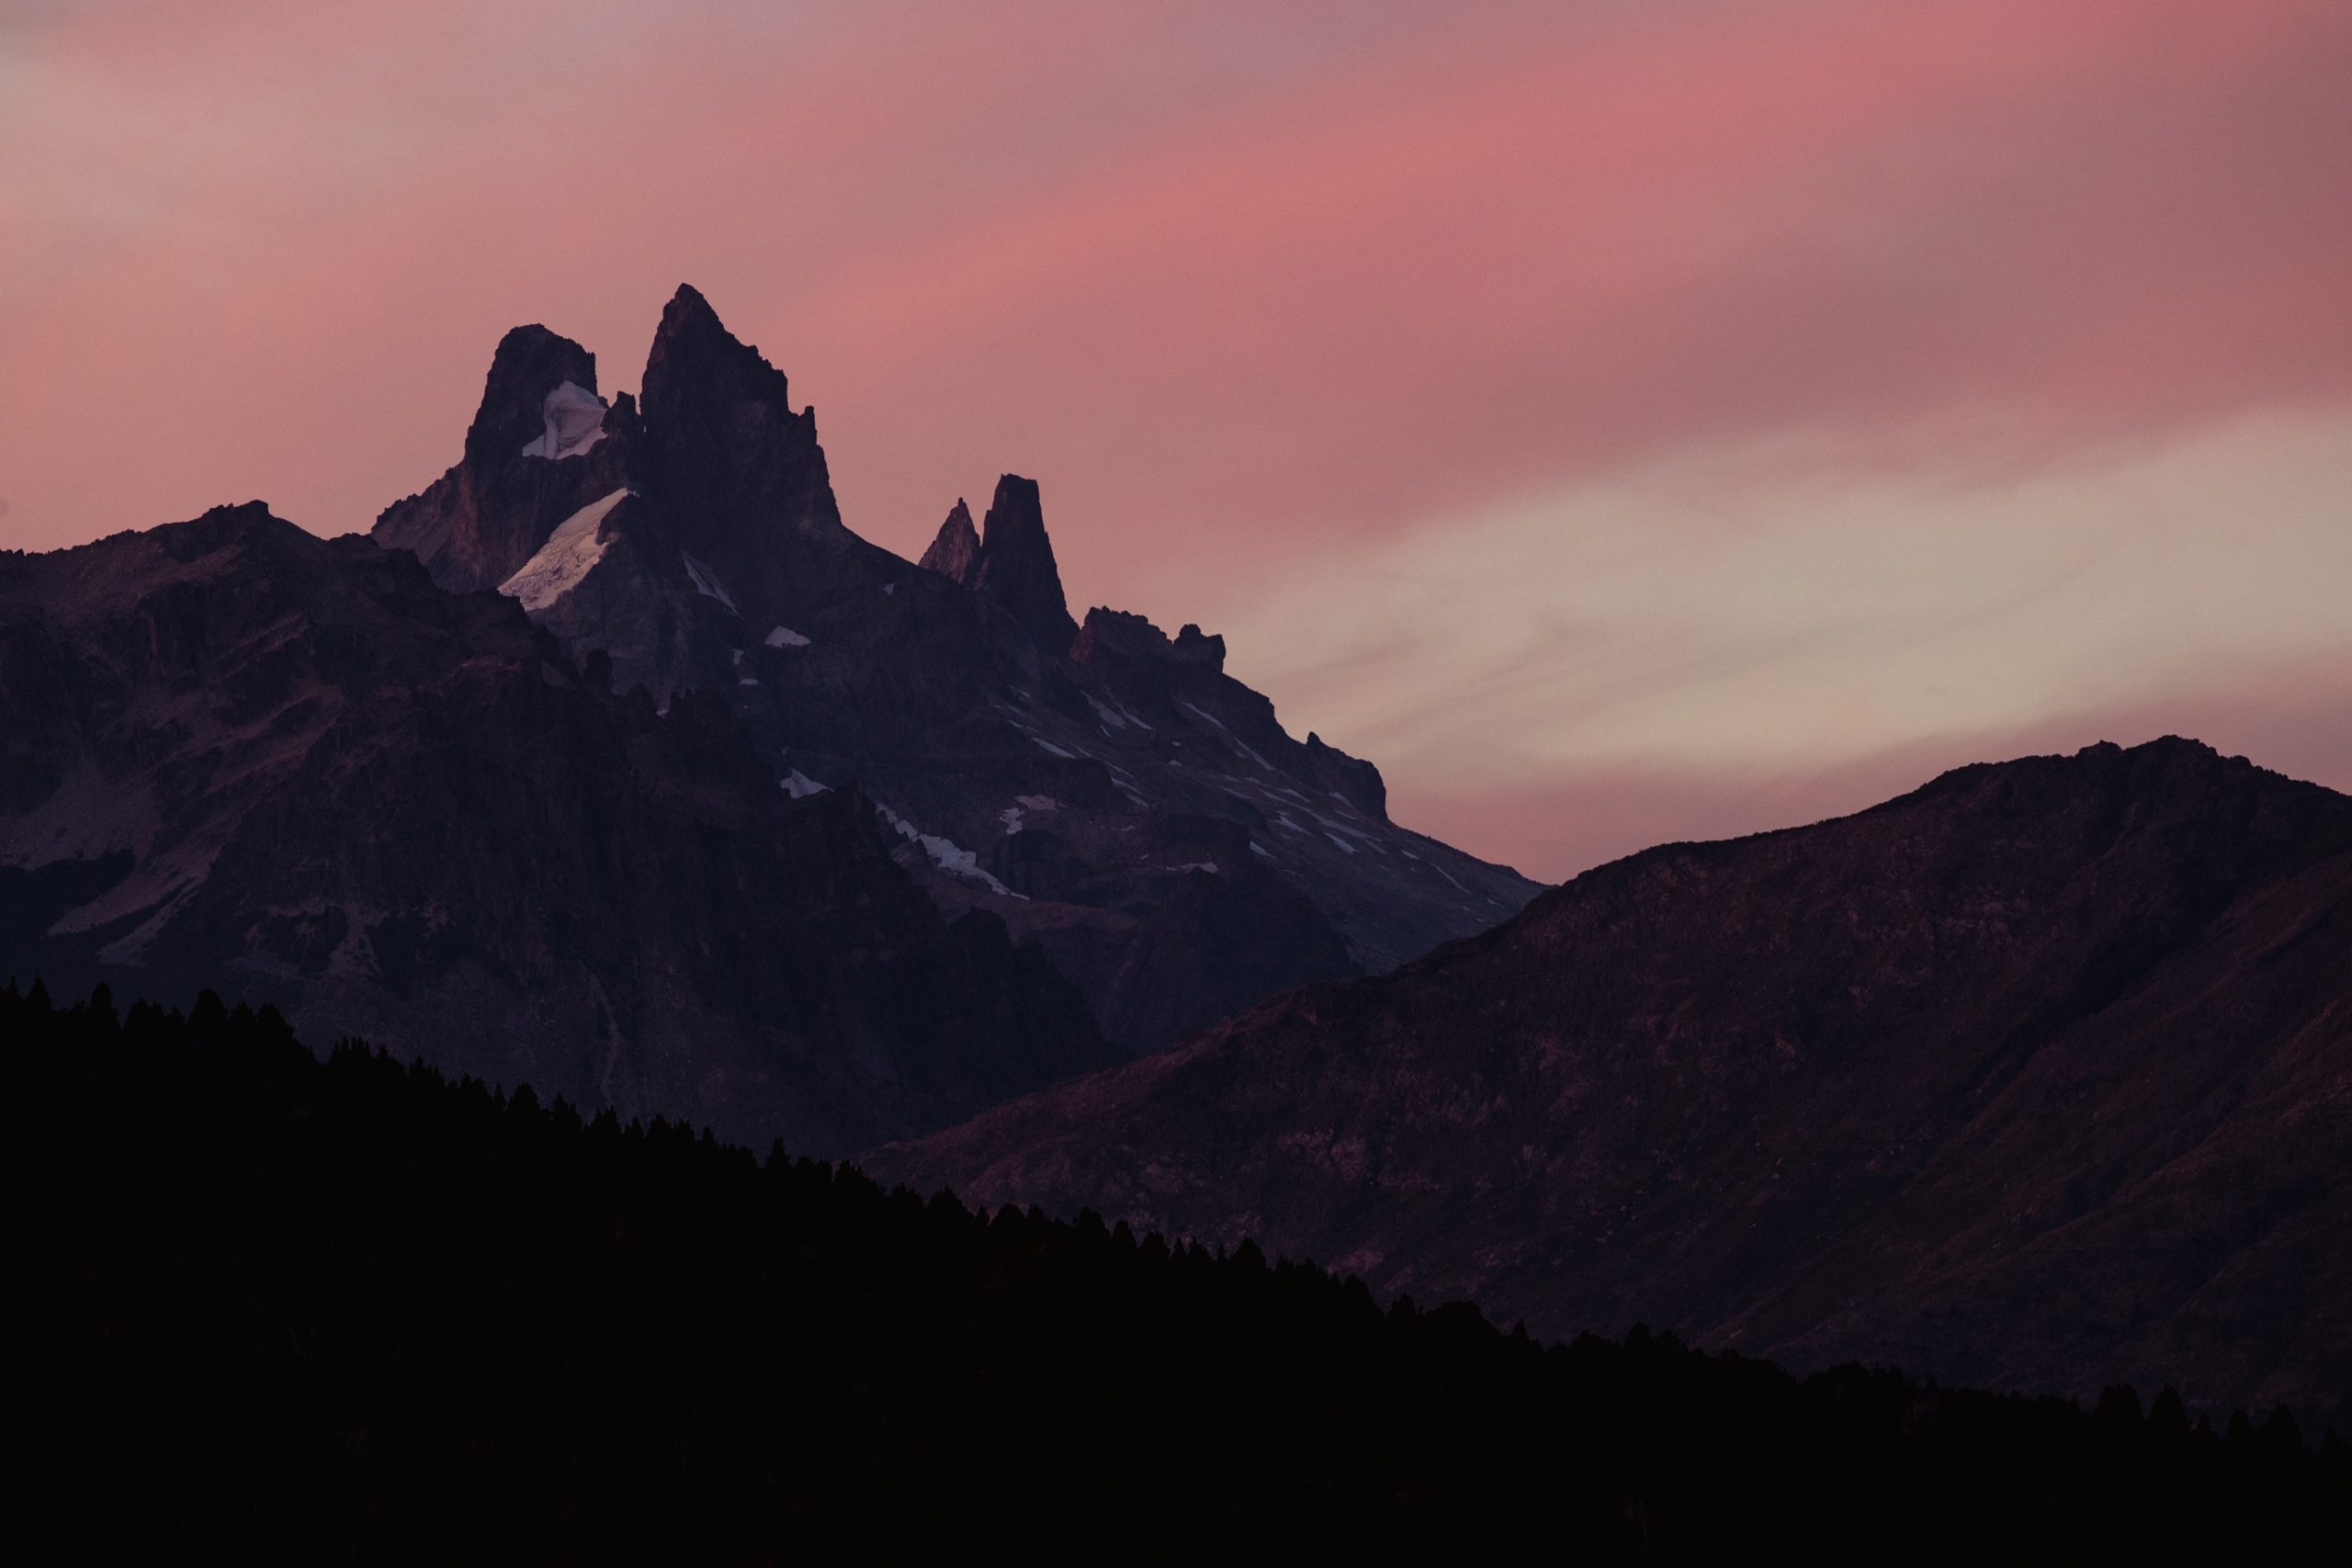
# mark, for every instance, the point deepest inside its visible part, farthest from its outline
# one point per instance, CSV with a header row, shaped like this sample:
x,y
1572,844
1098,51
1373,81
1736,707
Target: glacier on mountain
x,y
570,554
575,421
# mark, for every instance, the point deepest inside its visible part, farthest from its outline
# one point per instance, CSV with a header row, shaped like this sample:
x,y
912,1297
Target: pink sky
x,y
1622,421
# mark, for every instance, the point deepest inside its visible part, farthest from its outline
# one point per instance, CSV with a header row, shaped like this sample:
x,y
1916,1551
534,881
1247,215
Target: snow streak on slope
x,y
706,581
947,854
568,555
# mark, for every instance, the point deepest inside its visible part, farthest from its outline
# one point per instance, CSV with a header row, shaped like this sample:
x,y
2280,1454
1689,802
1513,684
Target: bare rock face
x,y
478,525
1072,786
738,474
955,549
1015,565
527,370
238,756
2039,1077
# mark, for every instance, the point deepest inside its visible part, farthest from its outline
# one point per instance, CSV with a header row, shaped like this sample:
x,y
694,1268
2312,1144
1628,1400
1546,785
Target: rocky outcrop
x,y
2038,1077
531,366
738,474
476,525
955,549
234,755
1015,570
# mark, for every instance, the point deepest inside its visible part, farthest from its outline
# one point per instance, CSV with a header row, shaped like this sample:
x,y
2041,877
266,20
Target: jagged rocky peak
x,y
956,548
1195,648
1130,655
1351,778
520,401
539,448
729,457
695,357
1015,567
691,539
1117,639
1109,634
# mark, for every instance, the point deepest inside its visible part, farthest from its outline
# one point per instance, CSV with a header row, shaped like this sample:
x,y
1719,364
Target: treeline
x,y
346,1310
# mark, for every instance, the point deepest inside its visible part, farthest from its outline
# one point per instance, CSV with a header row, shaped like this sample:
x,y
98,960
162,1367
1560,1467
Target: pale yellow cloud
x,y
1773,611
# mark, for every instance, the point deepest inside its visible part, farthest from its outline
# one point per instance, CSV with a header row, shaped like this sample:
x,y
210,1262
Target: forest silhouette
x,y
345,1309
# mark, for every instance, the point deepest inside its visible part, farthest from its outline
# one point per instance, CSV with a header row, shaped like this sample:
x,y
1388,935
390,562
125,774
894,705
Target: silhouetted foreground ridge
x,y
350,1310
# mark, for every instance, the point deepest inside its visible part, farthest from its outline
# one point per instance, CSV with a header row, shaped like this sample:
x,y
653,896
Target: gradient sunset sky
x,y
1620,421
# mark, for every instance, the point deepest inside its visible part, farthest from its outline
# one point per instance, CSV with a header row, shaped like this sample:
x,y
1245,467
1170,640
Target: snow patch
x,y
784,636
706,581
800,786
574,417
1342,842
1057,750
570,554
888,589
945,853
1039,802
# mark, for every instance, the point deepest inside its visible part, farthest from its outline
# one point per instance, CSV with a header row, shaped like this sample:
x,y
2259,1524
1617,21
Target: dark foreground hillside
x,y
269,1305
2037,1078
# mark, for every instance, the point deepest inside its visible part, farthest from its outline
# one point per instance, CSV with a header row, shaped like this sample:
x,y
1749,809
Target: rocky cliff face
x,y
236,755
1014,565
1080,785
955,549
2039,1077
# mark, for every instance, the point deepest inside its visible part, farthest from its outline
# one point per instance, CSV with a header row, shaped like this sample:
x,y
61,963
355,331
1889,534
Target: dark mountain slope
x,y
1073,783
273,1309
2039,1077
231,751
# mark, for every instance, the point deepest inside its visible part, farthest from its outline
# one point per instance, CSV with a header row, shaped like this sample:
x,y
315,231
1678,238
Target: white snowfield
x,y
945,854
575,421
784,636
570,554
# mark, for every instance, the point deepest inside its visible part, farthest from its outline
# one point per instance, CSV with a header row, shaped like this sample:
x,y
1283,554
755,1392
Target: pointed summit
x,y
693,340
957,546
731,461
530,363
1016,565
541,446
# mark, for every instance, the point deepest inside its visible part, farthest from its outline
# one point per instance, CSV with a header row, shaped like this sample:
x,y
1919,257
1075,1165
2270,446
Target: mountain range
x,y
614,763
2039,1076
231,752
1107,791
